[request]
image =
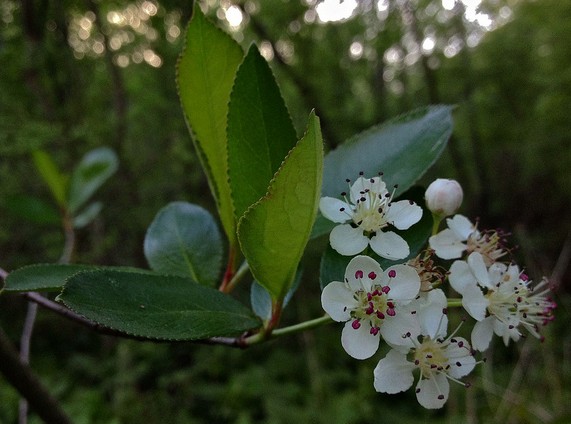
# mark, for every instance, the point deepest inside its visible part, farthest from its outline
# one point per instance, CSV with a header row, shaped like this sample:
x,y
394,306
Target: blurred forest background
x,y
75,75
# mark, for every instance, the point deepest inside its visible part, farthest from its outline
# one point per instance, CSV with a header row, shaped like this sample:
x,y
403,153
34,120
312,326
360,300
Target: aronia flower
x,y
438,360
463,236
367,217
373,303
501,299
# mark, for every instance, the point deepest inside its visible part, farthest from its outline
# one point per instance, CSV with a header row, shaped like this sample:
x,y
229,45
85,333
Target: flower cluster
x,y
404,306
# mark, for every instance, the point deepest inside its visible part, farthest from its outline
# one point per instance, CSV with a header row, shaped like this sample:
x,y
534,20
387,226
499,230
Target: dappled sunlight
x,y
127,33
335,10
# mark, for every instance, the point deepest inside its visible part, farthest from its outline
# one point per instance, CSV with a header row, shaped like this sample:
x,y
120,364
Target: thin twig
x,y
23,379
25,342
561,265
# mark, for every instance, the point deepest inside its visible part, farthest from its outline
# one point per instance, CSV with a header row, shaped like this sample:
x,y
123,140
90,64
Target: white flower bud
x,y
444,197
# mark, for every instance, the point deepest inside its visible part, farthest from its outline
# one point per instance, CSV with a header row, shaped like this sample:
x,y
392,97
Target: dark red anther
x,y
392,273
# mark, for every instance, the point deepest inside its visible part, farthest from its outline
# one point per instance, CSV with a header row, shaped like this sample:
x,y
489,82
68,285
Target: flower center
x,y
489,245
374,307
429,357
522,305
370,210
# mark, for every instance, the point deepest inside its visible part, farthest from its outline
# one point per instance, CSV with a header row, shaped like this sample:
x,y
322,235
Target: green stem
x,y
436,220
244,268
454,303
286,331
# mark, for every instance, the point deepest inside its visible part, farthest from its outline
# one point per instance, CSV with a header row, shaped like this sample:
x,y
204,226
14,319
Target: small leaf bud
x,y
443,197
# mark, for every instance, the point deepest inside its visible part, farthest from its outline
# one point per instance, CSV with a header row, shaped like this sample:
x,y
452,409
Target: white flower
x,y
365,218
438,360
501,299
463,236
373,303
443,197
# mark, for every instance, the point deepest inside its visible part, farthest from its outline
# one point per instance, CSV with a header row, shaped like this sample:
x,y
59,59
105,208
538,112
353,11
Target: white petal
x,y
433,392
461,276
403,214
461,226
482,333
496,273
360,343
365,266
503,329
335,210
337,300
389,245
460,359
475,302
348,241
447,245
404,285
393,373
433,320
362,184
394,329
478,267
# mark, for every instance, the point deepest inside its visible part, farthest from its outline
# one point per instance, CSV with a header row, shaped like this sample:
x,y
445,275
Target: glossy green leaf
x,y
205,74
403,148
49,277
56,181
274,231
260,131
184,240
32,209
333,264
88,214
96,167
156,306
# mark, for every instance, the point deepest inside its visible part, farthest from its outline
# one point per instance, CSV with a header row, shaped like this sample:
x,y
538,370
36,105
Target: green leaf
x,y
156,306
184,240
56,181
333,264
49,277
260,131
403,148
274,231
33,209
87,215
94,169
205,74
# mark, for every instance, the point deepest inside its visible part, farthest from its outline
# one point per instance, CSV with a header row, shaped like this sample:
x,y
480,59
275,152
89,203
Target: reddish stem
x,y
230,270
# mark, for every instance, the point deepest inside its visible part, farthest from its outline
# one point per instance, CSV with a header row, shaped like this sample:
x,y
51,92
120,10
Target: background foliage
x,y
80,75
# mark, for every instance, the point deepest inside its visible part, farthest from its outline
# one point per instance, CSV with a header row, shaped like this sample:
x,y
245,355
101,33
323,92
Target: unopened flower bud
x,y
444,197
